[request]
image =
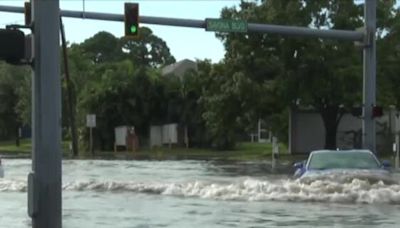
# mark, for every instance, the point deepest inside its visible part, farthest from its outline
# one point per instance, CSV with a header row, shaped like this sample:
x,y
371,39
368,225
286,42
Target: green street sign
x,y
226,25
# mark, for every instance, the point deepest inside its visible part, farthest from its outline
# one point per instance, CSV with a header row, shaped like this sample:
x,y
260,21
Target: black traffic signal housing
x,y
12,45
131,20
377,111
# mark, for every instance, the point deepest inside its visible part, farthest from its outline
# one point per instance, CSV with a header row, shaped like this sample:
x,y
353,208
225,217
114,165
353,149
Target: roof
x,y
340,151
179,68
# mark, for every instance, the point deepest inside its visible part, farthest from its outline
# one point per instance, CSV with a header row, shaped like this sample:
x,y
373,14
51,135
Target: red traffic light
x,y
377,111
131,20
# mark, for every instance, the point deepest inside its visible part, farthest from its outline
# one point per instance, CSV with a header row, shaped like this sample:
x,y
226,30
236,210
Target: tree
x,y
388,68
12,82
124,94
190,92
148,50
112,77
102,47
323,74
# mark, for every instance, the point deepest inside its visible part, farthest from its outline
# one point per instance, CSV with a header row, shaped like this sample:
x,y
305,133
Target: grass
x,y
243,151
25,147
9,147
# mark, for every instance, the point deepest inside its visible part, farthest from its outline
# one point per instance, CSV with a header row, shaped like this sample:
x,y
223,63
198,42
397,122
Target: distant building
x,y
307,131
180,68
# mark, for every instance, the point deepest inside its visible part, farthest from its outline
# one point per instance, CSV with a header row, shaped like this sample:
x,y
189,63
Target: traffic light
x,y
131,20
377,111
12,45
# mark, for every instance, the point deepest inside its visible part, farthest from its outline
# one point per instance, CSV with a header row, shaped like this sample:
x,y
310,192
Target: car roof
x,y
340,151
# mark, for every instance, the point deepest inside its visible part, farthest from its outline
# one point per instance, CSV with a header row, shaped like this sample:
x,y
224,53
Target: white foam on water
x,y
12,185
248,189
111,186
344,176
357,191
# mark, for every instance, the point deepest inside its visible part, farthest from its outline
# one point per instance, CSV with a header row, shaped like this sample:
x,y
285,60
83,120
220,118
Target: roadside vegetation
x,y
243,151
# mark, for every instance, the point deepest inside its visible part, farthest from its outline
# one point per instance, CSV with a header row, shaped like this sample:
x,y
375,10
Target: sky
x,y
191,43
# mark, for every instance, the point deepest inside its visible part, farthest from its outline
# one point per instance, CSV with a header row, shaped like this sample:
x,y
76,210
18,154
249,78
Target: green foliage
x,y
102,47
324,74
388,68
14,90
149,50
114,79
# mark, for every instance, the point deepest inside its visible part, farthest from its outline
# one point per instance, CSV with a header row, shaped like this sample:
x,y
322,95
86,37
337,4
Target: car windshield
x,y
343,160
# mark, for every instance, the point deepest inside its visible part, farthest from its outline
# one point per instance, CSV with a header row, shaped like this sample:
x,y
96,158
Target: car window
x,y
343,160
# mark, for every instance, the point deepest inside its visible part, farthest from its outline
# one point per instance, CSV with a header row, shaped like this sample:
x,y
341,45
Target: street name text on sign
x,y
226,25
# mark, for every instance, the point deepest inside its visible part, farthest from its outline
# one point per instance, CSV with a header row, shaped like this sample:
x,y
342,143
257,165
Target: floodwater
x,y
125,194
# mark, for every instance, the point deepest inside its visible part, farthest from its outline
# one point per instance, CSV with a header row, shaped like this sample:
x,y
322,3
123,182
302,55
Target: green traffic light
x,y
133,29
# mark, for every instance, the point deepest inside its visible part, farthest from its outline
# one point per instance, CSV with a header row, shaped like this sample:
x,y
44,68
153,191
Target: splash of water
x,y
354,191
12,185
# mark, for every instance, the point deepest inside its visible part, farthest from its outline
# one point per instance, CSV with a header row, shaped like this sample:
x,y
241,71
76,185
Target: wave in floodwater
x,y
345,176
352,191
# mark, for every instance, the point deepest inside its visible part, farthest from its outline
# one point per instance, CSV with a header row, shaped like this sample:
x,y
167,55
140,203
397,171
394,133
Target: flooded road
x,y
124,194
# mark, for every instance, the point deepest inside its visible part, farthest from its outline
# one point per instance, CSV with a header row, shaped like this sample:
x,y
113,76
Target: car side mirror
x,y
386,164
298,165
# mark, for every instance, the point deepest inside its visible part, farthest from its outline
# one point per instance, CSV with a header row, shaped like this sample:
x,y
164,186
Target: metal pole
x,y
397,127
259,130
369,83
91,141
252,27
45,181
397,151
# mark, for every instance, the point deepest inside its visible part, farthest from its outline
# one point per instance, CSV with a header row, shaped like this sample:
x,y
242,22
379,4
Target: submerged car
x,y
343,166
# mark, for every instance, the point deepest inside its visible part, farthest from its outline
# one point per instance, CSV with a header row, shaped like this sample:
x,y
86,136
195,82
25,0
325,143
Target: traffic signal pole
x,y
369,82
45,180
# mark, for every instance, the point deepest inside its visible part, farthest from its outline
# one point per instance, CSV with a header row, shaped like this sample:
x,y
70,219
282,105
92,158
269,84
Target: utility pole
x,y
369,82
44,193
70,97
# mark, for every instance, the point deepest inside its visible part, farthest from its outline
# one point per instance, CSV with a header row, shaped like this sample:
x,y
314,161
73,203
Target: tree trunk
x,y
331,116
330,137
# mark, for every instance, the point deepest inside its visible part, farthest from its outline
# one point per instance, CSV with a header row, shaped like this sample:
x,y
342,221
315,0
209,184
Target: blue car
x,y
343,165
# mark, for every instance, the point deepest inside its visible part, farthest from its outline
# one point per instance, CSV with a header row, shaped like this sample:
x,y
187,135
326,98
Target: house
x,y
180,68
